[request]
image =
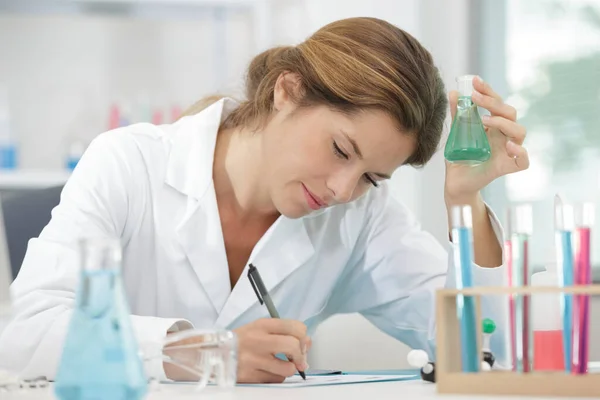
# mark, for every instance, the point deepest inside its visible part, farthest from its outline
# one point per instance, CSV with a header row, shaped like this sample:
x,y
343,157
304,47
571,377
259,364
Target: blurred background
x,y
71,69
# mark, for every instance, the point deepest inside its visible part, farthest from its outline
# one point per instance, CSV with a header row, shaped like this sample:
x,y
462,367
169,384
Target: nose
x,y
342,186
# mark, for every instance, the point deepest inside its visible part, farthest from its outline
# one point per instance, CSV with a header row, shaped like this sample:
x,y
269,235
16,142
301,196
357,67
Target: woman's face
x,y
316,157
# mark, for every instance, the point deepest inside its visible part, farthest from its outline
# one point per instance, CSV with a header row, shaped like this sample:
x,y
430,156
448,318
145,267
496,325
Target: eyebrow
x,y
360,156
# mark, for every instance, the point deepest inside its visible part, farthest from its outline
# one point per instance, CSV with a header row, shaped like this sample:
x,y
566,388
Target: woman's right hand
x,y
257,344
261,340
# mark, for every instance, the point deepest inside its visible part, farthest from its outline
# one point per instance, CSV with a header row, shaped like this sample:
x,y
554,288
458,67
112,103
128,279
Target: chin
x,y
293,212
290,210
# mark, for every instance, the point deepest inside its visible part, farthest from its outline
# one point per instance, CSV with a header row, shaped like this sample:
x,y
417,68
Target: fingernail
x,y
475,95
304,349
480,79
485,119
305,366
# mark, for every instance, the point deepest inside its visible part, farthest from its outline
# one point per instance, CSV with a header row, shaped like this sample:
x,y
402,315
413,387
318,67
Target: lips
x,y
314,202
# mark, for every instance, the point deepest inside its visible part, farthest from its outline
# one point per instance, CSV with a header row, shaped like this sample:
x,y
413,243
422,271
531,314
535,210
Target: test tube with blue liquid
x,y
522,227
564,221
100,357
462,241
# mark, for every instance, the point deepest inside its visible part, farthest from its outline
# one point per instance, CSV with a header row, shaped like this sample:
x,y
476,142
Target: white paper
x,y
321,380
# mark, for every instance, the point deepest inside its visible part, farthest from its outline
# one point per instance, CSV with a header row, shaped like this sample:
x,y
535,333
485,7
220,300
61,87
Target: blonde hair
x,y
349,66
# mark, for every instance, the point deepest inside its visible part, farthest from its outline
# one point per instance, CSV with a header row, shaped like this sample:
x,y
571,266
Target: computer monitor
x,y
5,270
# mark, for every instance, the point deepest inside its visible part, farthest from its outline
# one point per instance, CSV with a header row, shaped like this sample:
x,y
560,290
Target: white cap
x,y
465,85
584,215
565,218
523,219
462,217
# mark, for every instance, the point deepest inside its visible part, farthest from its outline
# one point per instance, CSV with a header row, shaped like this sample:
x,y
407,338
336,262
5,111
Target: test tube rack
x,y
451,380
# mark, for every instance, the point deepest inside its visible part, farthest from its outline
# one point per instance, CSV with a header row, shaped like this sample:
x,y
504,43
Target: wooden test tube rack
x,y
451,380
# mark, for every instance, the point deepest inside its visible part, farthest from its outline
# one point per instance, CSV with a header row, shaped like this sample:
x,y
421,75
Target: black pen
x,y
263,296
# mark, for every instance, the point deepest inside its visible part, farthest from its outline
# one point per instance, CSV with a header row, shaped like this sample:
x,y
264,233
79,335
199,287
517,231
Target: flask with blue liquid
x,y
100,358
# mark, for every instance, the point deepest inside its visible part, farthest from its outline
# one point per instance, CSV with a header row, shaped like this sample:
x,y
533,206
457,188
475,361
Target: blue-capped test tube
x,y
462,241
565,224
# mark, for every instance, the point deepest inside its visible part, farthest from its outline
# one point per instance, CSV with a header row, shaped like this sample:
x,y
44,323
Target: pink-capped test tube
x,y
584,220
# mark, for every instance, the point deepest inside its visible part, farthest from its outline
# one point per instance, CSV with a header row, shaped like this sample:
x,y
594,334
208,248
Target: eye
x,y
338,152
371,180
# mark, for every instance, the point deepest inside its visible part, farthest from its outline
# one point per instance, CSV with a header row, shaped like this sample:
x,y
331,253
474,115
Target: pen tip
x,y
302,374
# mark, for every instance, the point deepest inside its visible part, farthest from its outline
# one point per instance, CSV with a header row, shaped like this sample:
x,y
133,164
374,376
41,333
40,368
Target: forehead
x,y
379,138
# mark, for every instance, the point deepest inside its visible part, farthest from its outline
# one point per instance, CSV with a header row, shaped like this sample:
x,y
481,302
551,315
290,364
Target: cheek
x,y
361,189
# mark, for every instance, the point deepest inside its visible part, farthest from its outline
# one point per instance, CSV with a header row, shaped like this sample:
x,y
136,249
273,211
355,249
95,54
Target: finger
x,y
510,129
291,347
494,106
287,327
255,368
306,345
276,366
483,87
519,155
251,375
453,99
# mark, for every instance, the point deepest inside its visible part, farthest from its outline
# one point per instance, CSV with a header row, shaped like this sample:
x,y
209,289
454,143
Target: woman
x,y
292,180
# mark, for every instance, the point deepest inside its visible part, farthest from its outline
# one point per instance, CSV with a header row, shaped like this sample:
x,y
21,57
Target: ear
x,y
287,88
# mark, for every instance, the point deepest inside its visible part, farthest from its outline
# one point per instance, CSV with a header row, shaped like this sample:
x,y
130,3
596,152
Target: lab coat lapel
x,y
284,248
201,238
189,171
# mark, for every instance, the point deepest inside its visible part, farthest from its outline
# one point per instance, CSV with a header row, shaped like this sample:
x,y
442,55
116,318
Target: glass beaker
x,y
197,355
467,142
100,356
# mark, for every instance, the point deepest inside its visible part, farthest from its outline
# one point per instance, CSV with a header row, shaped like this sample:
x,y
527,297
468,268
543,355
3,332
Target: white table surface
x,y
407,390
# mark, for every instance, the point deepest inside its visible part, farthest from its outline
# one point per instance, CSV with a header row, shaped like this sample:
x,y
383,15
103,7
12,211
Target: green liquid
x,y
467,142
471,155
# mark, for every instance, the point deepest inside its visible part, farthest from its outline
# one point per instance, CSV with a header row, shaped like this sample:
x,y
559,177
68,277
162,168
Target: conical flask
x,y
100,358
467,142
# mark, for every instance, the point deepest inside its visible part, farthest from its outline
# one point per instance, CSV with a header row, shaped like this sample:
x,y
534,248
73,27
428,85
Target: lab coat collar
x,y
190,163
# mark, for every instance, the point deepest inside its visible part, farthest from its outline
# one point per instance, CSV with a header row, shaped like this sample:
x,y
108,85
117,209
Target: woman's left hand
x,y
506,136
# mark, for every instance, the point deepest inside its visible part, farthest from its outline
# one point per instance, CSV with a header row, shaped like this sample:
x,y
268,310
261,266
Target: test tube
x,y
522,225
511,297
564,220
462,241
584,219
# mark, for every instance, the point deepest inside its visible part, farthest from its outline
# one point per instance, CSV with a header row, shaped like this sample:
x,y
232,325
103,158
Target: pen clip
x,y
251,270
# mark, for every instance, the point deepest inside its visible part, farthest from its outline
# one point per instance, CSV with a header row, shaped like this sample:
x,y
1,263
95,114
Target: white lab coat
x,y
151,186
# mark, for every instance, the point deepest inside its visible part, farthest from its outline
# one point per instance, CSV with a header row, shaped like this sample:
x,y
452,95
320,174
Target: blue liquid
x,y
564,248
8,156
72,163
100,356
465,305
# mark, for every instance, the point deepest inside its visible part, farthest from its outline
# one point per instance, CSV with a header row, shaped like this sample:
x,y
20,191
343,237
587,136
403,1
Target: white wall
x,y
63,72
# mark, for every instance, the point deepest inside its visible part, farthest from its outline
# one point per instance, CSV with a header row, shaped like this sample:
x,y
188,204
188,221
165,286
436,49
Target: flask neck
x,y
100,255
465,102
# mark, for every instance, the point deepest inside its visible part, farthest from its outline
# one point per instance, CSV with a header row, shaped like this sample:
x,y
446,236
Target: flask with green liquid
x,y
467,142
